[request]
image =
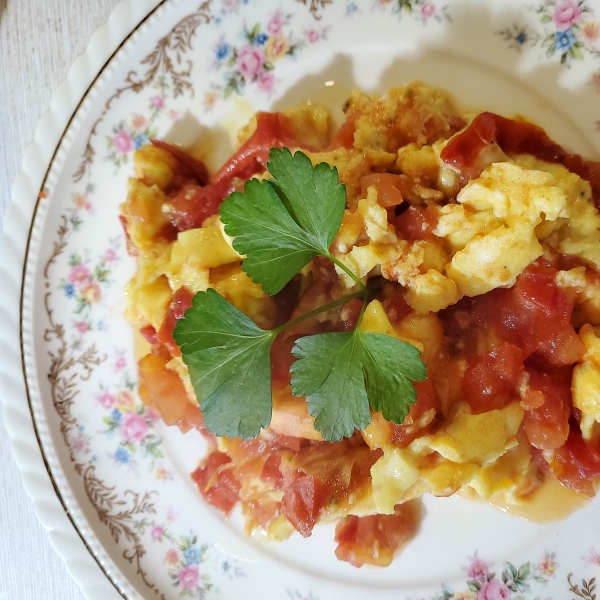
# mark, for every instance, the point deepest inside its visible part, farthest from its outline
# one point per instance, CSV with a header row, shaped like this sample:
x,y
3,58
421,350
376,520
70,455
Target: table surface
x,y
38,42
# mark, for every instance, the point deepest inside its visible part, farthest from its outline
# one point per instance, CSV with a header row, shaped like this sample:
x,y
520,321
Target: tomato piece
x,y
416,223
271,473
162,390
281,356
396,308
388,186
149,334
187,164
517,137
535,314
192,206
490,381
547,426
264,510
219,486
344,136
374,539
182,300
406,432
349,314
303,498
575,464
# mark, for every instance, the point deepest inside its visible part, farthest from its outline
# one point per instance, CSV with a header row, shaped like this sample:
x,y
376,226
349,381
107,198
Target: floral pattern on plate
x,y
569,29
253,62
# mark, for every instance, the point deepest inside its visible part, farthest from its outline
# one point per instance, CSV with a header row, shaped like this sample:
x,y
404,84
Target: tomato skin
x,y
188,165
273,130
416,223
491,380
344,136
182,300
219,486
303,497
403,434
149,334
374,539
517,137
547,426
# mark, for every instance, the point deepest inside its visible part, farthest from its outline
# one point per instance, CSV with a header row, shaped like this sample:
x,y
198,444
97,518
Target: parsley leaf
x,y
341,374
229,363
282,223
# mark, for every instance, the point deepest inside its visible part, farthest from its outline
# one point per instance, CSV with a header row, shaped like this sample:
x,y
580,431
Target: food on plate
x,y
406,304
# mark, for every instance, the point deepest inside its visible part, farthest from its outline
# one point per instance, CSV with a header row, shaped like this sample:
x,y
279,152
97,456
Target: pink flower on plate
x,y
79,274
110,255
478,569
81,201
428,9
138,121
123,142
210,99
275,24
91,293
121,363
172,556
157,532
312,35
157,101
548,566
250,61
153,415
591,31
566,14
592,559
494,590
134,428
82,327
79,443
162,474
266,81
189,577
106,400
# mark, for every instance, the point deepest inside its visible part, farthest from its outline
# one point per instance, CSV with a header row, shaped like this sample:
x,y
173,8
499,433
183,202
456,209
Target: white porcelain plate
x,y
187,72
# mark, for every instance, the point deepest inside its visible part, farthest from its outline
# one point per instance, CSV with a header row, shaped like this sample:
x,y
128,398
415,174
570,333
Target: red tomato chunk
x,y
218,486
375,539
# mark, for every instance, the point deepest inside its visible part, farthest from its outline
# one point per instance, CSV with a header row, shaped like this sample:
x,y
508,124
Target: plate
x,y
194,74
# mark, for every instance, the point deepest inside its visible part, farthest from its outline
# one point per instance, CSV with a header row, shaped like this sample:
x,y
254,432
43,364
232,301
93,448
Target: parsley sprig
x,y
280,224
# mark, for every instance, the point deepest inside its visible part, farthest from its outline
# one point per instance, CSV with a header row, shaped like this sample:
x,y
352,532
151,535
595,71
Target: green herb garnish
x,y
281,224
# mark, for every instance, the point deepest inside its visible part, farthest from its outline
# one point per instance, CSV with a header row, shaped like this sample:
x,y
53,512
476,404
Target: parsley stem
x,y
319,310
344,268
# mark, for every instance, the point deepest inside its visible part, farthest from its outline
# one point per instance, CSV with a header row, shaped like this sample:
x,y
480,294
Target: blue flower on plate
x,y
140,140
192,555
122,456
261,39
69,290
222,51
116,415
565,39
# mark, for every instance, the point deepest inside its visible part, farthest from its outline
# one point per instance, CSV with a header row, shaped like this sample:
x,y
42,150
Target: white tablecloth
x,y
39,39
